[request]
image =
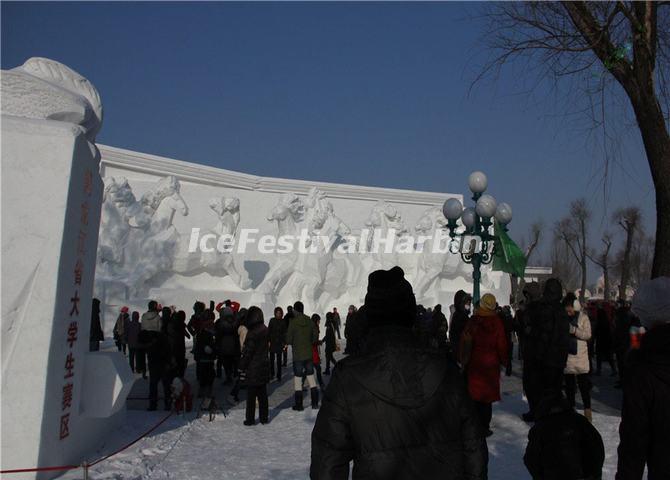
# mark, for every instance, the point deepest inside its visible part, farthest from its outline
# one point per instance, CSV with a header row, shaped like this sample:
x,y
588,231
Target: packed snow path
x,y
188,448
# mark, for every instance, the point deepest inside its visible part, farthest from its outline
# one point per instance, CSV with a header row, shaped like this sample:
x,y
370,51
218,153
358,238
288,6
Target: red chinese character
x,y
84,213
78,271
75,303
88,182
67,395
72,333
81,242
69,366
64,426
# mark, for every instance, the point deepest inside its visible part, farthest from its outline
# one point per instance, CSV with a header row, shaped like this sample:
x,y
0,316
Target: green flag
x,y
508,257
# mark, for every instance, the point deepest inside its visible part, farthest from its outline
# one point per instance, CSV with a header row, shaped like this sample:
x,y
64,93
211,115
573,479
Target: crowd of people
x,y
413,397
407,404
229,342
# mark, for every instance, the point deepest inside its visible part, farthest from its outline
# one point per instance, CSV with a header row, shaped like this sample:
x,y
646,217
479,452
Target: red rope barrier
x,y
42,469
134,441
73,467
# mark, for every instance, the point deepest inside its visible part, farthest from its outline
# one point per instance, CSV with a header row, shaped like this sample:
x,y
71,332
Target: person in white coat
x,y
577,367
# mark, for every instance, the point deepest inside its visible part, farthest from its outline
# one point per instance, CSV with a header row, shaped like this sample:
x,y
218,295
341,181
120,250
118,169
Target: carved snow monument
x,y
58,399
178,232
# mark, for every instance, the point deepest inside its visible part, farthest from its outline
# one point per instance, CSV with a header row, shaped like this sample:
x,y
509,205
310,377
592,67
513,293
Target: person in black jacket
x,y
563,445
336,322
287,320
351,312
96,336
603,337
255,367
462,302
623,321
205,356
547,345
396,410
161,367
505,314
330,342
645,416
177,335
441,326
277,333
355,331
227,344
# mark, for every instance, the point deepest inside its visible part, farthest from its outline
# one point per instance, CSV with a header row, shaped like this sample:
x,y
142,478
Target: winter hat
x,y
488,302
390,299
124,309
553,290
651,302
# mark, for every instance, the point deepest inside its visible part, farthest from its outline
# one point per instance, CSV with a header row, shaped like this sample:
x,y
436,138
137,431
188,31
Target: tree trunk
x,y
625,267
657,147
606,277
582,291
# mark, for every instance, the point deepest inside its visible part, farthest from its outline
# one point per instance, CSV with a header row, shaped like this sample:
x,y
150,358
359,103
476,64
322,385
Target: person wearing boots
x,y
331,343
255,367
577,369
396,409
301,335
287,321
205,356
547,345
161,366
277,333
483,351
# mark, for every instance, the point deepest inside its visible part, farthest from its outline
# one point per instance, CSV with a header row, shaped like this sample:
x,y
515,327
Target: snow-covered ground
x,y
186,447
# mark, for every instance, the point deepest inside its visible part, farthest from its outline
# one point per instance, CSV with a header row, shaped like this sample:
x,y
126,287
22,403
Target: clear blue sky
x,y
373,94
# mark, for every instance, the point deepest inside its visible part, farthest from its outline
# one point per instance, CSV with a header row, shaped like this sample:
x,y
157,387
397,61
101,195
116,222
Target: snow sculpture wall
x,y
51,197
156,209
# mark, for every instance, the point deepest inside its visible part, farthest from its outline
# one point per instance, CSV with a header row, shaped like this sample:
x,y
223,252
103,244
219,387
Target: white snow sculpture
x,y
219,263
288,212
58,399
432,262
48,90
383,223
154,245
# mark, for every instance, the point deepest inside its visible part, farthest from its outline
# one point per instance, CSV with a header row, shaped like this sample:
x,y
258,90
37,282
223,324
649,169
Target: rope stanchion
x,y
85,466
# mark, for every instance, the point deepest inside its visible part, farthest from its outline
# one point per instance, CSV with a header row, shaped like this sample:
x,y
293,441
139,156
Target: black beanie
x,y
553,290
390,299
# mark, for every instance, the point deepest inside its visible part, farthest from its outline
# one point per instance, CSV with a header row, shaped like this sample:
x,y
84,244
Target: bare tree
x,y
528,246
603,260
574,41
563,264
629,219
573,230
641,258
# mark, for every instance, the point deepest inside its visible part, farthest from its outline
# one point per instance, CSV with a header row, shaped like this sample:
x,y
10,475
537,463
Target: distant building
x,y
537,274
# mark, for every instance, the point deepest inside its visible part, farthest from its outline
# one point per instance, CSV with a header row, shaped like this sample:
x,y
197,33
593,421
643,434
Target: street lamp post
x,y
477,222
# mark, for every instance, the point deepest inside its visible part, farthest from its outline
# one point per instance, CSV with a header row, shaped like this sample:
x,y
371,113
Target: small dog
x,y
182,398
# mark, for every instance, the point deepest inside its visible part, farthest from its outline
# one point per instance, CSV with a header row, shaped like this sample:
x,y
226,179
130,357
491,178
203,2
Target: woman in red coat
x,y
483,352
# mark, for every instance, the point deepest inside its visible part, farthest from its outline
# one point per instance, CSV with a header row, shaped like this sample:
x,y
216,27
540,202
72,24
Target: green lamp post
x,y
477,222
